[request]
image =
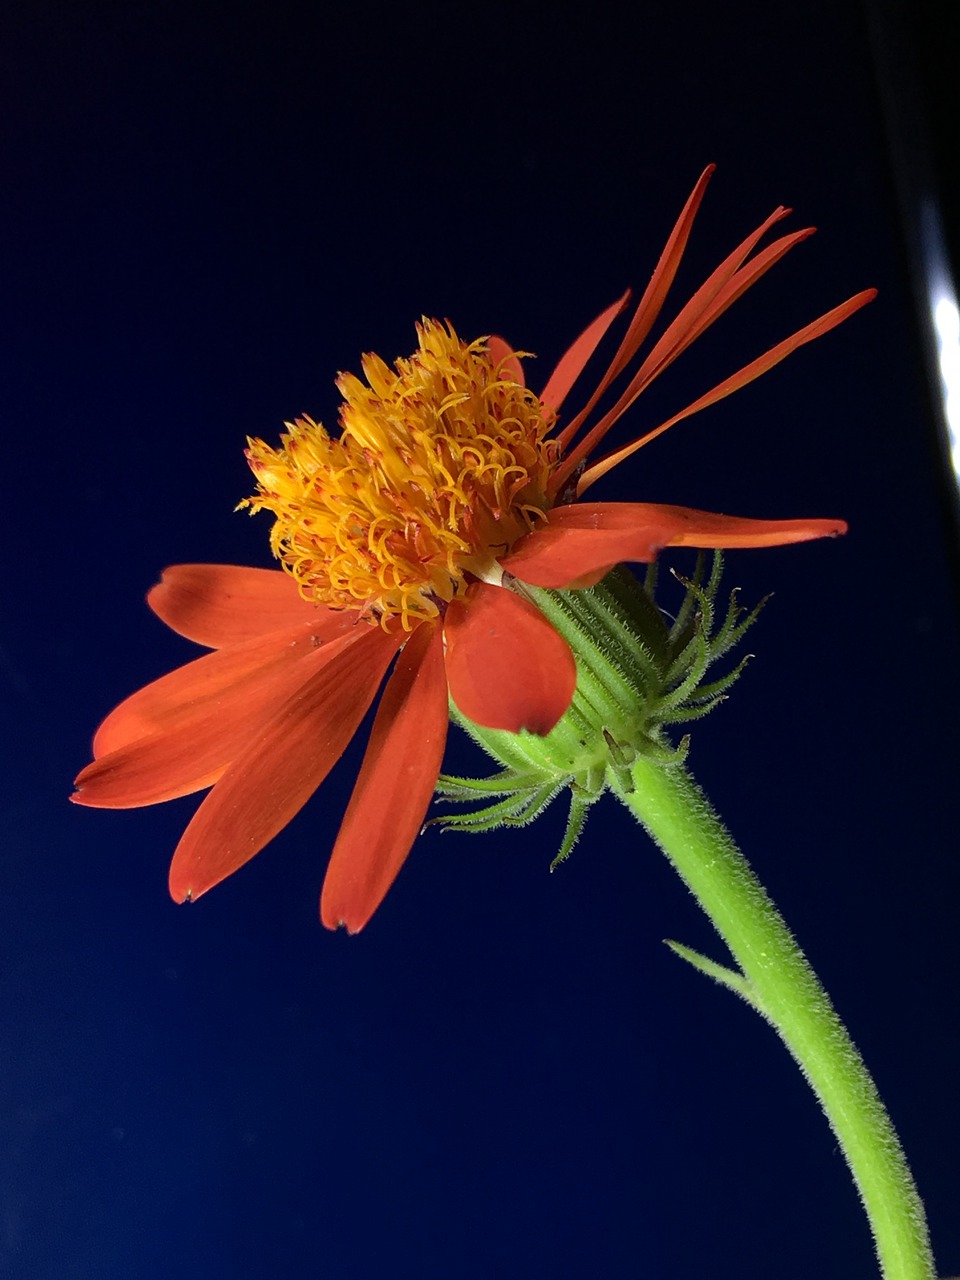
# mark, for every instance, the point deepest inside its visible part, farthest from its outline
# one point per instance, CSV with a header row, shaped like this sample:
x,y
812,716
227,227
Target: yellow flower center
x,y
441,465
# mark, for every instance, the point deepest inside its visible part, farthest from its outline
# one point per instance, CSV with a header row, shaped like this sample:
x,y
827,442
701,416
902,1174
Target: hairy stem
x,y
777,980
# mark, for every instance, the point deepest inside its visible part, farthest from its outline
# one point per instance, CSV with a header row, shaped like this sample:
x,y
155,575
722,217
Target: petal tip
x,y
82,793
184,893
334,921
183,884
542,725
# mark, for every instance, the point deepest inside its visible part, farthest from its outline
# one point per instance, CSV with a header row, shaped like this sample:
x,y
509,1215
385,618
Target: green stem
x,y
637,674
776,978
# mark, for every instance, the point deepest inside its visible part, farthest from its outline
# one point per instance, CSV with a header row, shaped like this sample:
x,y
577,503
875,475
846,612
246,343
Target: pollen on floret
x,y
441,464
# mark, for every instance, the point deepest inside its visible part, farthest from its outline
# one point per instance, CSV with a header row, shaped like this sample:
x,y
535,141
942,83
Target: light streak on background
x,y
944,322
908,132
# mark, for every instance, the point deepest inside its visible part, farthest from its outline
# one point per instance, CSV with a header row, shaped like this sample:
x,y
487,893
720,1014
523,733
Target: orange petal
x,y
652,301
221,604
583,541
722,287
676,338
572,362
746,375
281,767
194,753
738,284
709,530
179,697
394,787
507,667
501,353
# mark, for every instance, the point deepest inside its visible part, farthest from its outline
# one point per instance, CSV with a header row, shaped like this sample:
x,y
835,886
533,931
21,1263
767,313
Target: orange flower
x,y
399,539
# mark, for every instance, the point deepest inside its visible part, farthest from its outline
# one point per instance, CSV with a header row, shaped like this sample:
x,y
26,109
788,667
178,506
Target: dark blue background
x,y
207,213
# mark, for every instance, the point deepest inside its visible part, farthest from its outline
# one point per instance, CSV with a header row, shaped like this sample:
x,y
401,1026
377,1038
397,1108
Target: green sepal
x,y
517,810
580,802
505,783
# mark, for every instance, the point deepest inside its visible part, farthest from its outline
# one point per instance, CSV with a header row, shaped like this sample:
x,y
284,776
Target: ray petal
x,y
729,281
648,309
501,353
584,541
675,339
223,604
656,291
571,363
507,667
181,696
738,284
710,530
194,753
275,775
394,787
741,378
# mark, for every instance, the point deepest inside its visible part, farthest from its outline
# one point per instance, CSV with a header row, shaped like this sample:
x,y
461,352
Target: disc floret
x,y
441,464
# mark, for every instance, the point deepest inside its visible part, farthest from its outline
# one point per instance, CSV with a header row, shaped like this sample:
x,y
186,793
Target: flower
x,y
399,539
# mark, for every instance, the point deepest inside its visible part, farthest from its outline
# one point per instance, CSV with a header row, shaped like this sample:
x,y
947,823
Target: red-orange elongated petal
x,y
671,343
656,291
572,362
195,752
394,787
501,353
223,604
507,667
709,530
582,542
648,309
285,762
738,284
737,380
179,697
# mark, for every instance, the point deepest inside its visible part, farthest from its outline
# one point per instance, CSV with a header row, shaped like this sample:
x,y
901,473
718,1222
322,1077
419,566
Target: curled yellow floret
x,y
441,464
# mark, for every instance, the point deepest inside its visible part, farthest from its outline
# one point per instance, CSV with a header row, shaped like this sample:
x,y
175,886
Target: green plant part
x,y
639,673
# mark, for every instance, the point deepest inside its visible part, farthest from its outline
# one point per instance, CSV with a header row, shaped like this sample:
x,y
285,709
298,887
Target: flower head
x,y
400,539
441,465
